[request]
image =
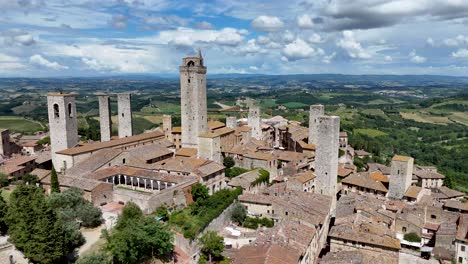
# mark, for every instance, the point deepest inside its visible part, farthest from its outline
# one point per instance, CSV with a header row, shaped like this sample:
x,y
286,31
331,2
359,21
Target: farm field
x,y
19,124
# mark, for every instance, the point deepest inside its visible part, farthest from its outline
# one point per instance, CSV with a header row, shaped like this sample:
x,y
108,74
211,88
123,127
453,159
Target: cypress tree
x,y
54,183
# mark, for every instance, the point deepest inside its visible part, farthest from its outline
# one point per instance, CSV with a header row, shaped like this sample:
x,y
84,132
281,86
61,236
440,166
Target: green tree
x,y
212,245
137,237
162,212
228,162
30,179
239,214
54,182
99,257
44,141
34,227
199,191
3,213
412,237
4,180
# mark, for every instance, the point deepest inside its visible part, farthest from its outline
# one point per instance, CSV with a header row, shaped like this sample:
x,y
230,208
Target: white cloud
x,y
10,64
461,53
329,58
16,36
253,68
388,58
457,41
188,37
119,22
250,47
37,59
415,58
297,50
305,21
204,25
430,42
352,46
315,38
267,23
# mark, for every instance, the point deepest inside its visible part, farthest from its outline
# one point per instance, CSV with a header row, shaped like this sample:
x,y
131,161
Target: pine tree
x,y
54,183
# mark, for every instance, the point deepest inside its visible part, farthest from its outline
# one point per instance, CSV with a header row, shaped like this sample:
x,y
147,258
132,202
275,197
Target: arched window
x,y
70,112
191,63
403,229
56,111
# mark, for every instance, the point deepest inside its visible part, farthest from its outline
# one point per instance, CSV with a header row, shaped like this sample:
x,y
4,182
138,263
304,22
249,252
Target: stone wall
x,y
400,177
314,113
255,122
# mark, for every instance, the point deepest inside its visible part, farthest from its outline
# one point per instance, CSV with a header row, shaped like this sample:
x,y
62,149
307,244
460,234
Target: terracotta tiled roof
x,y
177,130
259,156
462,230
304,177
215,124
378,176
449,193
30,144
111,144
453,204
186,152
361,233
40,173
363,180
413,191
401,158
425,174
81,183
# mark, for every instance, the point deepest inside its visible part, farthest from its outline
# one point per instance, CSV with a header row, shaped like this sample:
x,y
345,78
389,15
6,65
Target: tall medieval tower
x,y
193,100
62,125
315,112
401,173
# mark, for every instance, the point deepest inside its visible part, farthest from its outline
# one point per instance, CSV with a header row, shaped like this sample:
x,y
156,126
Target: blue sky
x,y
47,38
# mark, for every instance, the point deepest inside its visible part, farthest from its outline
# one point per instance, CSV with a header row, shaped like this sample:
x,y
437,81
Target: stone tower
x,y
5,145
62,125
401,173
105,117
231,122
167,127
209,147
326,156
125,115
193,100
315,112
255,122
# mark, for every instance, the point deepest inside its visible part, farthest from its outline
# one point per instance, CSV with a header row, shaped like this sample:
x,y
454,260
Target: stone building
x,y
5,144
193,100
428,177
209,147
461,241
315,112
255,122
125,115
167,127
326,156
63,126
231,122
401,175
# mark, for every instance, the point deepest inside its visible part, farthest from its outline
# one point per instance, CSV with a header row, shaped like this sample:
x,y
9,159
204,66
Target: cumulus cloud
x,y
187,37
297,50
388,58
119,21
414,58
430,42
352,46
315,38
304,21
456,41
267,23
461,53
37,59
250,47
16,36
204,25
10,64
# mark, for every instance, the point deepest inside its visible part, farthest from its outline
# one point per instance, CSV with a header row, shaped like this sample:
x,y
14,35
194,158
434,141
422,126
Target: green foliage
x,y
91,131
137,237
193,219
235,171
341,152
412,237
162,212
239,214
3,213
54,183
228,162
360,164
255,222
212,245
99,257
263,178
199,191
30,179
4,180
71,206
34,227
44,141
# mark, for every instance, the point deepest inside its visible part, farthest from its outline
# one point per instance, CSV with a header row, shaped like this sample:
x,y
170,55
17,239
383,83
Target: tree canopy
x,y
212,244
54,182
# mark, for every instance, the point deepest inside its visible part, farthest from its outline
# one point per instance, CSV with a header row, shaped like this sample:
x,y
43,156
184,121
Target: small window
x,y
123,114
123,161
70,112
403,229
462,248
56,111
286,213
188,80
433,216
460,260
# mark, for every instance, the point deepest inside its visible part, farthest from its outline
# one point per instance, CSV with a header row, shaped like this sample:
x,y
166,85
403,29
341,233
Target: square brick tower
x,y
125,115
315,112
401,173
193,100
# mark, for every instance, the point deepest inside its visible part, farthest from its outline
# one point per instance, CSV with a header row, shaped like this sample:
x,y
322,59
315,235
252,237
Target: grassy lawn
x,y
267,103
19,124
425,118
459,117
375,112
370,132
